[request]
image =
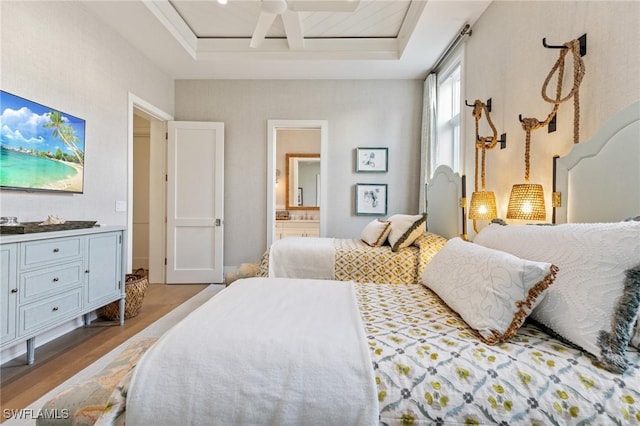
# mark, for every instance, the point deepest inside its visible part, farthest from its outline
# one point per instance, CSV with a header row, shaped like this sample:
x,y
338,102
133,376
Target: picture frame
x,y
371,199
374,160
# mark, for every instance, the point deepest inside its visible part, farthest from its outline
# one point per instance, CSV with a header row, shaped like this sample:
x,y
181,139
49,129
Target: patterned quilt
x,y
359,262
432,369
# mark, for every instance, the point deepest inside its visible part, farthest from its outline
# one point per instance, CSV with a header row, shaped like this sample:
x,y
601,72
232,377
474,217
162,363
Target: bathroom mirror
x,y
303,181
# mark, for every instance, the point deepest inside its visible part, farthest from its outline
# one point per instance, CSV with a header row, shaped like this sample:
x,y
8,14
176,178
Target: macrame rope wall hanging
x,y
483,202
527,200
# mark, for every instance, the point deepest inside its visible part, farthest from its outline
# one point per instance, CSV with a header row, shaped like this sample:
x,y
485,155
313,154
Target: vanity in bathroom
x,y
297,228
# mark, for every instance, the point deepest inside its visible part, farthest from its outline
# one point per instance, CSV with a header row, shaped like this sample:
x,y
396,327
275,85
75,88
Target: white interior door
x,y
195,174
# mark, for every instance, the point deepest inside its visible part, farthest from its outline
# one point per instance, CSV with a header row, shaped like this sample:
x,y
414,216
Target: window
x,y
446,149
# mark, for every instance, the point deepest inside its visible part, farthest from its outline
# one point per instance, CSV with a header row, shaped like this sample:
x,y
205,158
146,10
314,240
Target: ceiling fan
x,y
288,10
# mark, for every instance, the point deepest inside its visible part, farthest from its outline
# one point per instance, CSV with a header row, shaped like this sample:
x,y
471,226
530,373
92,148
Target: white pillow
x,y
586,303
491,290
405,229
376,232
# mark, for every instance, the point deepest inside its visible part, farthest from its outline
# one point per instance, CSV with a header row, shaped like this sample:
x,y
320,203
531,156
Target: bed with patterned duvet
x,y
489,337
395,250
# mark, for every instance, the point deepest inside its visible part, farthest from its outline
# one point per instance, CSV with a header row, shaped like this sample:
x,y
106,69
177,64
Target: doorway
x,y
140,226
274,127
146,193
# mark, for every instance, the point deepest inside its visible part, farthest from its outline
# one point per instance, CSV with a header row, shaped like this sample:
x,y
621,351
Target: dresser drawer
x,y
49,281
48,252
39,315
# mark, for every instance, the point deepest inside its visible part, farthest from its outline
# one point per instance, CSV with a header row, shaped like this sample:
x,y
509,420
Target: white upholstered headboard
x,y
600,178
444,215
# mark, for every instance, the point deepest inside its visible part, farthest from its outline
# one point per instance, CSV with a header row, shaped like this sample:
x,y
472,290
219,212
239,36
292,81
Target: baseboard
x,y
20,348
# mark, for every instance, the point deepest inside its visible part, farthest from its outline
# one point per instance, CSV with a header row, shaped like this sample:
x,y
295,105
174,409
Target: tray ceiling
x,y
294,39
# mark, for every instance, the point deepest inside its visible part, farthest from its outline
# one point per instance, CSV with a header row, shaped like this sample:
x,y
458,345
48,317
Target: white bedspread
x,y
263,351
299,257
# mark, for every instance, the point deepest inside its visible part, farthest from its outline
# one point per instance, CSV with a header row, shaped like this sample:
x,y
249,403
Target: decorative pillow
x,y
635,338
376,232
633,281
492,291
405,229
586,305
428,245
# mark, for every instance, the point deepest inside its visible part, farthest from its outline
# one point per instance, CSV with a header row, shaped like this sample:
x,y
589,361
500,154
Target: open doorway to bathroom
x,y
297,178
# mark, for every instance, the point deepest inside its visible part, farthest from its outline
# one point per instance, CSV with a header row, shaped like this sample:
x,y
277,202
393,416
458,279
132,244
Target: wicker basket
x,y
135,287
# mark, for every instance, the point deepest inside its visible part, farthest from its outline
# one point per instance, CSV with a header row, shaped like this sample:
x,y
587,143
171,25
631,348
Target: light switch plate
x,y
121,206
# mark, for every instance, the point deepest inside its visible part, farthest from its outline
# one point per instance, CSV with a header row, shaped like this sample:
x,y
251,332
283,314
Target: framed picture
x,y
371,199
372,160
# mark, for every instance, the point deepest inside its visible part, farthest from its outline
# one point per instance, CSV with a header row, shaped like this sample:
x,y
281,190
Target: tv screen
x,y
42,149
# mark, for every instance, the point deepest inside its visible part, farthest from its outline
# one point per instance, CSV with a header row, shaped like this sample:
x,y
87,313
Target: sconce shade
x,y
527,202
483,206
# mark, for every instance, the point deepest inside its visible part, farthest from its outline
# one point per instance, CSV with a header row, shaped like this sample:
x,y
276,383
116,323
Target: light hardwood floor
x,y
55,362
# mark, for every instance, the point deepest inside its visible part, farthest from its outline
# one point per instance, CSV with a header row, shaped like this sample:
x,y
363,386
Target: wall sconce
x,y
526,201
483,206
483,203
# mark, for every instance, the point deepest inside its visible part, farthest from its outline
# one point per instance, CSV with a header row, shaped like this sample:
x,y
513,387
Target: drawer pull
x,y
56,279
86,272
55,308
56,250
14,290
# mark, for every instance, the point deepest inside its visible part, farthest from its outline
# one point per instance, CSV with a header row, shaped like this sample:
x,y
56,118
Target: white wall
x,y
384,113
505,61
58,54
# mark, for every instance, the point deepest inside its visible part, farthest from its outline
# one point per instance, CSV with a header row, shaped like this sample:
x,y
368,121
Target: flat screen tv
x,y
41,148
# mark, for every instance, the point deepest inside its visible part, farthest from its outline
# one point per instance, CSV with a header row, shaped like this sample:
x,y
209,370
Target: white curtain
x,y
429,126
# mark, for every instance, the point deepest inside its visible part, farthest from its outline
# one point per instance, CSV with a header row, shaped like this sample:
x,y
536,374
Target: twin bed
x,y
318,352
369,259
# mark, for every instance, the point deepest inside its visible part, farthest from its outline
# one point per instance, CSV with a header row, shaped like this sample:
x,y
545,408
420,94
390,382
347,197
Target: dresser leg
x,y
31,350
122,311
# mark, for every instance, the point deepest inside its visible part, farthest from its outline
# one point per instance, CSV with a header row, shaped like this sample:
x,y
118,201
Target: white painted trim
x,y
173,22
327,49
272,126
416,9
19,348
135,102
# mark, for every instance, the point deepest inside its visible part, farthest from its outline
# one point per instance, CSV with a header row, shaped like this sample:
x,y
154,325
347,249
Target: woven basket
x,y
135,287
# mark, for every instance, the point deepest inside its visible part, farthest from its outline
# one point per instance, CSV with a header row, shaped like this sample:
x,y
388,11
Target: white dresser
x,y
297,228
49,278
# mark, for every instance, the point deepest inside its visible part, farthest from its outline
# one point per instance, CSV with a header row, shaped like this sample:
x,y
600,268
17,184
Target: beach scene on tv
x,y
41,148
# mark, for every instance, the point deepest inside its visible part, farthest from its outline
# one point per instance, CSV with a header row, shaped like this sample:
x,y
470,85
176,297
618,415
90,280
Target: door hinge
x,y
218,222
166,178
165,261
166,136
120,239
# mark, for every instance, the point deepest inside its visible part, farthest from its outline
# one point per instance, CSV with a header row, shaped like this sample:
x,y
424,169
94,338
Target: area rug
x,y
154,330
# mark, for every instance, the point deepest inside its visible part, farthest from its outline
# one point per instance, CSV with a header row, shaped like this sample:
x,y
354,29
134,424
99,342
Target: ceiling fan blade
x,y
323,5
265,20
293,29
